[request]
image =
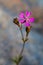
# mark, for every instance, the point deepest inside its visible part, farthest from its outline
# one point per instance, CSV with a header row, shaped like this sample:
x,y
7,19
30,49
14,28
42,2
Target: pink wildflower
x,y
24,18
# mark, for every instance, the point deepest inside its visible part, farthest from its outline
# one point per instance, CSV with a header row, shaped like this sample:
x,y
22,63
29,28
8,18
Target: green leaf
x,y
15,60
26,39
20,58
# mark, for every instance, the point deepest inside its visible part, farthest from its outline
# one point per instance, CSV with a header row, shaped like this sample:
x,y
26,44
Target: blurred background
x,y
10,40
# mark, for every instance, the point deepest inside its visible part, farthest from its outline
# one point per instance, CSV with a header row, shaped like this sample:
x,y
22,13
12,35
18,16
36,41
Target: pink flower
x,y
24,18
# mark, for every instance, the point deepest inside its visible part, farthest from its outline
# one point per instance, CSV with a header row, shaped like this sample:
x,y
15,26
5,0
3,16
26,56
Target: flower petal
x,y
20,20
28,13
31,19
21,15
27,24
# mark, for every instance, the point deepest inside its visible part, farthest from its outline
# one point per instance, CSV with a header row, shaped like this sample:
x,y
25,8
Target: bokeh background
x,y
10,39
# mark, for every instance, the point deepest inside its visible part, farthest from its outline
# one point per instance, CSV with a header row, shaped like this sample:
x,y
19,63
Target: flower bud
x,y
15,20
27,30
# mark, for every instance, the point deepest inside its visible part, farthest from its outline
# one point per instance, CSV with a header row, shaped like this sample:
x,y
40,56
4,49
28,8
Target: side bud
x,y
15,20
28,30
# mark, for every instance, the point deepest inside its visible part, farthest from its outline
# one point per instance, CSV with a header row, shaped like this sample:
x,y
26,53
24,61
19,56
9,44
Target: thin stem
x,y
22,49
23,44
21,32
23,41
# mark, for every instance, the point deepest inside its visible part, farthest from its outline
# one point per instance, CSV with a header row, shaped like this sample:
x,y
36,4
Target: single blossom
x,y
25,18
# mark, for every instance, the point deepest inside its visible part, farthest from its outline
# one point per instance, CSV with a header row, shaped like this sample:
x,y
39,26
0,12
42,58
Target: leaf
x,y
20,58
26,39
23,39
14,60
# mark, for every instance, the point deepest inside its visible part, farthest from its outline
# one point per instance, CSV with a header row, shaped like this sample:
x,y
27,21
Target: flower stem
x,y
22,49
22,45
18,60
23,42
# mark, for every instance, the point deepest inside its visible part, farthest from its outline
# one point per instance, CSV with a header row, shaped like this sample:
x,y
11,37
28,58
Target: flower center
x,y
27,19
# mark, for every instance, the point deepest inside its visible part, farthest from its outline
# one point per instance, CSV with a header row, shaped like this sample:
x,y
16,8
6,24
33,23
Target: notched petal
x,y
31,19
27,24
28,13
21,15
20,20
